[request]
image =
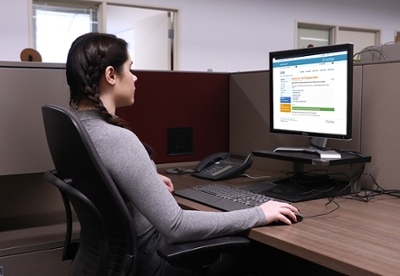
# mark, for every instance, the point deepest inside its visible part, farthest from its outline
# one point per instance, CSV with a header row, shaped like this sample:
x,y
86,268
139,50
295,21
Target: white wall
x,y
230,35
14,36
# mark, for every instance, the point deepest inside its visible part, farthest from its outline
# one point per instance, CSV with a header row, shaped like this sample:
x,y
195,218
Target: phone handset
x,y
222,165
209,160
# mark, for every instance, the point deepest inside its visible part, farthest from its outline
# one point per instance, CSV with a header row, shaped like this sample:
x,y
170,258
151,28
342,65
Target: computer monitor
x,y
311,93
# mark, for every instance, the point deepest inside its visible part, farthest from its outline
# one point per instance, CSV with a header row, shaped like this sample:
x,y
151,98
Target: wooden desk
x,y
357,239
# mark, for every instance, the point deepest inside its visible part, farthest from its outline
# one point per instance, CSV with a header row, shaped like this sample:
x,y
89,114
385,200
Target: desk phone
x,y
222,165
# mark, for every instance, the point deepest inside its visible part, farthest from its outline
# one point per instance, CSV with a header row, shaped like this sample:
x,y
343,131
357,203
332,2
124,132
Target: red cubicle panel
x,y
176,100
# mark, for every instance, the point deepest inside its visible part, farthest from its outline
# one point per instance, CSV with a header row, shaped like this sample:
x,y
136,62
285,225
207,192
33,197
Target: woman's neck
x,y
86,104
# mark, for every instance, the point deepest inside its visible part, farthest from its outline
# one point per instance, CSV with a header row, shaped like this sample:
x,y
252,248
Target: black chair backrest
x,y
78,164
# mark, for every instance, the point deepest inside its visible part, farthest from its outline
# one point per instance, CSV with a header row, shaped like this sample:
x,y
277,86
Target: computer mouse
x,y
298,217
278,222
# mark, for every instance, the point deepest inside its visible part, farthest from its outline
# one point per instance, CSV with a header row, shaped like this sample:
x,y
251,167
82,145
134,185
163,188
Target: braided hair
x,y
88,58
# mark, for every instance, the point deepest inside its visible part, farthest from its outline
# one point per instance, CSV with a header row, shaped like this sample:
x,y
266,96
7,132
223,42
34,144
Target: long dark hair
x,y
88,58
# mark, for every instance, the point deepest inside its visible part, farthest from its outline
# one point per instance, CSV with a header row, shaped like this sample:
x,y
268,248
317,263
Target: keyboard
x,y
223,197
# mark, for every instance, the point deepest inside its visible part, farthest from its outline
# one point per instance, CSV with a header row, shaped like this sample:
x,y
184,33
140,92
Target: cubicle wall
x,y
31,211
380,122
180,100
249,119
164,100
375,128
24,88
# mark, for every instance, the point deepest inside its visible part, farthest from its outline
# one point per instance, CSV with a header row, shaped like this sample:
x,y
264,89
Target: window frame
x,y
335,31
102,18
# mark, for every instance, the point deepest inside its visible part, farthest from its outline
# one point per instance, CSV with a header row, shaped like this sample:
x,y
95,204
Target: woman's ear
x,y
110,75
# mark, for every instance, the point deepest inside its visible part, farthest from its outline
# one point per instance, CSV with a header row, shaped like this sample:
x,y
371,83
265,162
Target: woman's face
x,y
125,90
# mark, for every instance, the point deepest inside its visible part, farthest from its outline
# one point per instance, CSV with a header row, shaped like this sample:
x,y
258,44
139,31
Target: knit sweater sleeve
x,y
132,170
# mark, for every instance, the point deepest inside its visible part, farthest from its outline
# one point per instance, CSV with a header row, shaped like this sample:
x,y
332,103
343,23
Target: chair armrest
x,y
202,251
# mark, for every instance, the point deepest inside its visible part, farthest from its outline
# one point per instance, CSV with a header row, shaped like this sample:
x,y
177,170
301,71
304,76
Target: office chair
x,y
108,239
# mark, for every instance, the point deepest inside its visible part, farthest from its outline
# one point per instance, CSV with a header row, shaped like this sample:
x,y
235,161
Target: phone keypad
x,y
216,170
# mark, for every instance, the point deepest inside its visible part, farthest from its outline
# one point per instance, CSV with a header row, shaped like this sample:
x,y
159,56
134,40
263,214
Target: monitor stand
x,y
319,143
301,187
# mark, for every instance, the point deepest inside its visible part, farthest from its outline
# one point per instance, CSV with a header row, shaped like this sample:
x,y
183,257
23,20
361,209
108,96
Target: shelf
x,y
311,158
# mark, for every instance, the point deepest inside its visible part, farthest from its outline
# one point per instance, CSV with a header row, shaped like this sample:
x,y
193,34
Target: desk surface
x,y
357,239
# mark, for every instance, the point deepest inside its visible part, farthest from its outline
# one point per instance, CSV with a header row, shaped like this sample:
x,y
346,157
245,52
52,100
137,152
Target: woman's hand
x,y
167,182
275,210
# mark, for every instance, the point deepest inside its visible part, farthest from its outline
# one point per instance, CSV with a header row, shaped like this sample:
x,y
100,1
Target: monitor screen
x,y
311,91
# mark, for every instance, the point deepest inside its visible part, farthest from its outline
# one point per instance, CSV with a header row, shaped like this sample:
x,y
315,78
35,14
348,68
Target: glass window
x,y
57,25
148,33
308,37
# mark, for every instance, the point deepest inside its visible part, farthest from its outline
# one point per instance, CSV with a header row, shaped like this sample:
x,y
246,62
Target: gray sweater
x,y
152,204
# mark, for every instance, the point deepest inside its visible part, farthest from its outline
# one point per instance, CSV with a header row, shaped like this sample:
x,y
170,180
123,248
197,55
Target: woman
x,y
100,80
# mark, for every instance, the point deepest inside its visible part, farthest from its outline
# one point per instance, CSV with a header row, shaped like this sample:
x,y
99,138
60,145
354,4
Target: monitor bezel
x,y
349,48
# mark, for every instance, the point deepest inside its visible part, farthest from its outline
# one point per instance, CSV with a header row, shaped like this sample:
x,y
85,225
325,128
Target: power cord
x,y
368,195
364,196
339,193
255,177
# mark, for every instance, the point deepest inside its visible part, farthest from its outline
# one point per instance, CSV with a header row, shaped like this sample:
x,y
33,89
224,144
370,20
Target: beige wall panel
x,y
249,120
354,143
25,88
380,122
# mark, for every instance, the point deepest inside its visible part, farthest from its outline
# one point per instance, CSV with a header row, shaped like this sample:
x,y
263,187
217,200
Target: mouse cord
x,y
330,200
